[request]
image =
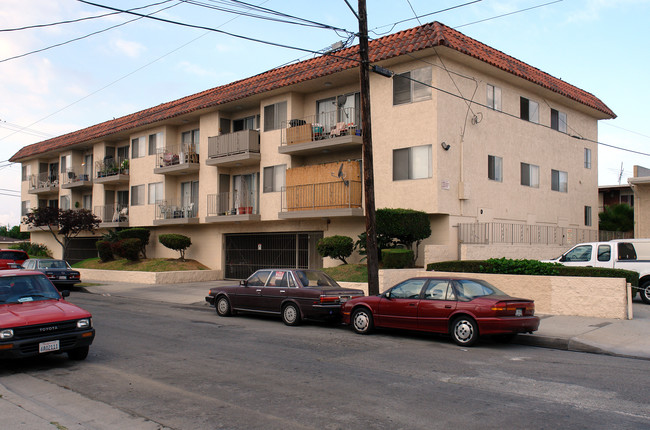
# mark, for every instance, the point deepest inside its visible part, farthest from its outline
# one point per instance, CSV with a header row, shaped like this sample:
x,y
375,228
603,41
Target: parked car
x,y
627,254
462,307
295,294
35,319
57,271
12,258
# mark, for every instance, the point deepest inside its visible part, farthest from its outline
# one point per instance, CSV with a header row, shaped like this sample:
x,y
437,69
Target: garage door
x,y
81,248
246,253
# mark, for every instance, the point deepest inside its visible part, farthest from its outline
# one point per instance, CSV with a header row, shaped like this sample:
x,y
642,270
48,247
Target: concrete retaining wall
x,y
178,277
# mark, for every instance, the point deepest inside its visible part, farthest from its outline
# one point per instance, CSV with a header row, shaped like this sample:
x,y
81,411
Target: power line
x,y
52,24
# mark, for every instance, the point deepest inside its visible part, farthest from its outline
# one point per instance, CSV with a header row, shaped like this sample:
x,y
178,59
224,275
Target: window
x,y
558,120
493,97
604,253
579,253
122,153
530,175
587,158
155,193
122,199
65,203
258,279
24,207
191,138
53,203
137,195
66,163
439,289
88,201
529,110
413,86
247,123
137,147
559,181
274,177
343,108
408,289
26,172
412,163
156,143
588,215
495,168
274,115
88,166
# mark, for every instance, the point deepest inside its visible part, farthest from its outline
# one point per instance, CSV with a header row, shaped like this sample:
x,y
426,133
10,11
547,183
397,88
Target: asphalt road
x,y
186,368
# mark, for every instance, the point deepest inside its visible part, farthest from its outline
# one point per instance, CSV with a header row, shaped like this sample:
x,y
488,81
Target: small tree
x,y
617,218
68,222
338,247
137,233
404,227
177,242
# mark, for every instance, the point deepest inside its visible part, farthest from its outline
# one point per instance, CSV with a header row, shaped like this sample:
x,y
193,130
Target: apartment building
x,y
258,170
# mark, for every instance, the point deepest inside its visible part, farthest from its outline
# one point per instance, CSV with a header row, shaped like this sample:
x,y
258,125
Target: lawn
x,y
348,273
147,265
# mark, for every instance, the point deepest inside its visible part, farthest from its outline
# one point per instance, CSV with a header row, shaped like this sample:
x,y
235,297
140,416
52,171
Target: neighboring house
x,y
257,171
609,195
640,184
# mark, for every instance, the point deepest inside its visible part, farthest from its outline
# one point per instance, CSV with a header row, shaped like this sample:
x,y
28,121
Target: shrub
x,y
33,249
137,233
177,242
397,258
131,249
338,247
105,250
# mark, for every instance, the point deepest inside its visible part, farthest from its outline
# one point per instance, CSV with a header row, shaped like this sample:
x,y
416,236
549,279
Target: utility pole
x,y
372,259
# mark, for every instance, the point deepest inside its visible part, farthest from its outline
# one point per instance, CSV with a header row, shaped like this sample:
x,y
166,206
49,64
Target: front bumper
x,y
21,348
210,299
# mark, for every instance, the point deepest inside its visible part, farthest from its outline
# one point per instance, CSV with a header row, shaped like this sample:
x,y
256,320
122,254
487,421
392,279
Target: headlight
x,y
6,334
84,323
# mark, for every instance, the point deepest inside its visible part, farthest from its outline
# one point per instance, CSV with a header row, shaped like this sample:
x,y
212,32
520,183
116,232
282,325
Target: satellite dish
x,y
341,176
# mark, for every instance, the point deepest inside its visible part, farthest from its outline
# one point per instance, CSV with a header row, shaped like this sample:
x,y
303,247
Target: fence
x,y
330,195
507,233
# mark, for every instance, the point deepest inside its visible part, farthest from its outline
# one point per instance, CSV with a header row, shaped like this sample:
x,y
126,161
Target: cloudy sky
x,y
597,45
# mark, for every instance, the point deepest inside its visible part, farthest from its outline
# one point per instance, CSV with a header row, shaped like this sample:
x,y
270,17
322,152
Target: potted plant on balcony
x,y
124,167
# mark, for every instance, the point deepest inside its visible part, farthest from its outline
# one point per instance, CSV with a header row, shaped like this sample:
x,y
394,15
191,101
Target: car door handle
x,y
258,291
447,306
282,291
412,304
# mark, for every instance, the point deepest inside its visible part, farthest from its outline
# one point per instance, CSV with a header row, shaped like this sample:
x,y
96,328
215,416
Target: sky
x,y
597,45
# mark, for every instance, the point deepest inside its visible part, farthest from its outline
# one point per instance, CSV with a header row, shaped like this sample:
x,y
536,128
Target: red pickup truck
x,y
35,319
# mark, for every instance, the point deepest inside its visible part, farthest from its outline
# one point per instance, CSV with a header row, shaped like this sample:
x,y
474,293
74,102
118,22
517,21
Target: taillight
x,y
329,300
513,308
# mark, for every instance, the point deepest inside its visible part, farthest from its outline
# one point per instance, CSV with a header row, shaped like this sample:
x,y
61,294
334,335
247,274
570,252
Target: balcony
x,y
77,178
170,212
112,215
241,148
112,171
233,207
326,200
44,183
325,132
177,160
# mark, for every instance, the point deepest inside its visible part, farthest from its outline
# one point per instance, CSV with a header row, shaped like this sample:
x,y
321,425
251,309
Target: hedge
x,y
137,233
127,248
396,258
105,250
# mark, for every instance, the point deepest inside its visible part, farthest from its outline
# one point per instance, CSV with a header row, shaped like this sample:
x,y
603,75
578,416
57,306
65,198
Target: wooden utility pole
x,y
368,175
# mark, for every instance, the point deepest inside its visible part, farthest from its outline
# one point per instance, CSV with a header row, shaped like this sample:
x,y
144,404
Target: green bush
x,y
338,247
128,248
397,258
105,250
177,242
33,249
137,233
531,267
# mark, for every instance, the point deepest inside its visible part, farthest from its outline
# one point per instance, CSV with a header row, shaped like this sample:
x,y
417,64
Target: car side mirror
x,y
243,283
65,293
563,258
387,294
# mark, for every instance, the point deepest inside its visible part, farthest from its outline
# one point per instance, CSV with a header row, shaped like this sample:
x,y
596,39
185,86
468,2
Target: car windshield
x,y
12,255
469,289
54,264
311,278
21,289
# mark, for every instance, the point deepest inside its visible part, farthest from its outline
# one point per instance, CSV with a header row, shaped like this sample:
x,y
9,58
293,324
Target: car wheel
x,y
644,292
291,314
223,307
79,354
362,322
464,331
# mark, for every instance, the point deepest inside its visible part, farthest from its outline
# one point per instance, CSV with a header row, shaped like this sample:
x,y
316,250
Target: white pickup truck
x,y
631,254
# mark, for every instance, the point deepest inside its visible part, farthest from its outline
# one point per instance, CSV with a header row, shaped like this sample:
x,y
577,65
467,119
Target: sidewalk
x,y
626,338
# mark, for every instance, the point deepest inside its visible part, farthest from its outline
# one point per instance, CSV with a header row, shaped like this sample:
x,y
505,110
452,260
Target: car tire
x,y
79,354
644,292
222,306
291,314
464,331
361,321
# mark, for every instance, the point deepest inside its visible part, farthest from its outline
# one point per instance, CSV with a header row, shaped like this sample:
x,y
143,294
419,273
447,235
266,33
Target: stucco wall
x,y
178,277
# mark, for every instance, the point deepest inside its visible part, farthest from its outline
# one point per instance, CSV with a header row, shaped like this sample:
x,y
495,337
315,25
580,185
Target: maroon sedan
x,y
295,294
464,308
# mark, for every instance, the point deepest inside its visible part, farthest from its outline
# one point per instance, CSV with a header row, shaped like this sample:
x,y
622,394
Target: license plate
x,y
519,312
343,299
48,346
63,277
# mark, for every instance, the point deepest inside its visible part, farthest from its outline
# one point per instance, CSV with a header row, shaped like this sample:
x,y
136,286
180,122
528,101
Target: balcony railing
x,y
112,213
239,142
506,233
236,203
173,209
343,122
329,195
43,181
77,174
112,167
176,155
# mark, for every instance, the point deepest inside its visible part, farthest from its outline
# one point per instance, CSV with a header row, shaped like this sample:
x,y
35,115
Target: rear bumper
x,y
22,348
507,325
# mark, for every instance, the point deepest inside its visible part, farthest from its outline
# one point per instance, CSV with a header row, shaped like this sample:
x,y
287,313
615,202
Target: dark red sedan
x,y
464,308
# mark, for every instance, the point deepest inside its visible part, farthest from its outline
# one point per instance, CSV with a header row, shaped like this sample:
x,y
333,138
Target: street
x,y
183,367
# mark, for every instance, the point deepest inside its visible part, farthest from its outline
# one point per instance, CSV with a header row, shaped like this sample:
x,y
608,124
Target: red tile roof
x,y
401,43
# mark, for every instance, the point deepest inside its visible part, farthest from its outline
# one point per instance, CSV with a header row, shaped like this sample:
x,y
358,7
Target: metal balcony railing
x,y
239,142
77,174
174,209
184,153
236,203
43,180
344,122
329,195
112,213
111,167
